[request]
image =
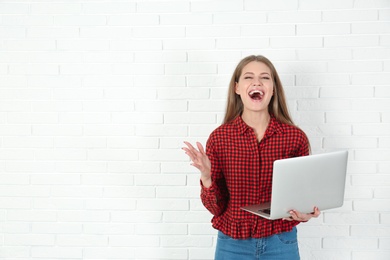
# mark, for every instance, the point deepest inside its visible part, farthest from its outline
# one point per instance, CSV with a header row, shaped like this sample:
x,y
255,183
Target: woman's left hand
x,y
303,217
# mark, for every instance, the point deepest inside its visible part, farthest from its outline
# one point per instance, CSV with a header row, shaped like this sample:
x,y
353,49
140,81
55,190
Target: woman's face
x,y
255,86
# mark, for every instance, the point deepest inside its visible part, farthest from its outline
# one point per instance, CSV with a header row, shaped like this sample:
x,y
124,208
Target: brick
x,y
344,243
163,7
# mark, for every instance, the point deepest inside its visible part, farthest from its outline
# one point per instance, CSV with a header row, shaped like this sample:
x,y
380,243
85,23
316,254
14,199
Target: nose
x,y
257,81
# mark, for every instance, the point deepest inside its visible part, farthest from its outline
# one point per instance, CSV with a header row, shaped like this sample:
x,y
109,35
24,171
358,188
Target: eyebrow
x,y
254,73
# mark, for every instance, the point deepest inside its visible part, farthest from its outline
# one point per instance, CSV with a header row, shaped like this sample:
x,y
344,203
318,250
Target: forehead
x,y
256,67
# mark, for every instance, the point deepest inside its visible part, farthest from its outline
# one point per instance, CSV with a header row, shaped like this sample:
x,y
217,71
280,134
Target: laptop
x,y
302,183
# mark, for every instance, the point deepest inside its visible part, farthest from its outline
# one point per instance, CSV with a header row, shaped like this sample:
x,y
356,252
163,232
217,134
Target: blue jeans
x,y
283,246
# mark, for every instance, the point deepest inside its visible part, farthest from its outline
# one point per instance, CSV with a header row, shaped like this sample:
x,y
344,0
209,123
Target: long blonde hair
x,y
277,106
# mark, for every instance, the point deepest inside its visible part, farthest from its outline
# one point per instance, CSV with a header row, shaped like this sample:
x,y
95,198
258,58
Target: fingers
x,y
298,216
200,147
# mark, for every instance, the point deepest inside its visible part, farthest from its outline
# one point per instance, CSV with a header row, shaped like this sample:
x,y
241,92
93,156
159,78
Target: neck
x,y
258,121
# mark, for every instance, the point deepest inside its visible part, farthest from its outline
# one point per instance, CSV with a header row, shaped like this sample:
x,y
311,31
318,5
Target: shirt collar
x,y
274,126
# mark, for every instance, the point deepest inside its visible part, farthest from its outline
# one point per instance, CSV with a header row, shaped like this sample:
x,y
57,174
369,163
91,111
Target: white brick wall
x,y
96,98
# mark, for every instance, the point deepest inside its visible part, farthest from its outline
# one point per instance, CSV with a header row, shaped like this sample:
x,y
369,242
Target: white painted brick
x,y
160,180
56,130
179,192
201,229
328,79
107,179
159,32
15,203
201,253
324,54
112,155
14,8
9,252
351,41
240,18
21,179
372,205
112,7
22,190
373,180
56,252
382,193
350,15
108,229
359,255
80,20
371,4
125,192
161,229
133,167
189,118
345,243
58,203
214,31
253,5
109,130
81,192
82,240
110,204
50,179
55,8
136,217
186,241
133,142
188,44
29,240
296,42
333,4
56,228
327,254
133,20
349,218
354,66
109,252
350,142
294,16
134,241
372,129
80,167
161,253
268,30
191,68
163,205
326,230
324,29
383,167
29,166
32,215
370,230
237,43
183,93
352,117
83,216
185,19
163,7
136,45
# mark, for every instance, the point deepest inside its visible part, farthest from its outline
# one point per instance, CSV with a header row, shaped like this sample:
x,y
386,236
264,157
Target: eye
x,y
266,78
248,77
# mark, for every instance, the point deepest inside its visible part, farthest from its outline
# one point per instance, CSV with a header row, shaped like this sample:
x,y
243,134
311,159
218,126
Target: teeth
x,y
256,91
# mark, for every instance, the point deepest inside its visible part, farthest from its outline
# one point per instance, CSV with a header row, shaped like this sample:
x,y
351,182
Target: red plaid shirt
x,y
241,172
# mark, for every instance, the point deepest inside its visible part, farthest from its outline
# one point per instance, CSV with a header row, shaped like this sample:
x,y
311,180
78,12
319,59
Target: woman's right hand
x,y
201,161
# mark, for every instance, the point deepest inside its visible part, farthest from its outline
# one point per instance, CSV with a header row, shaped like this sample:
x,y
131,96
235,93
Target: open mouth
x,y
256,94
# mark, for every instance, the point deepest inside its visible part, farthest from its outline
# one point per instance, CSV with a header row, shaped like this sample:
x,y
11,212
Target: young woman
x,y
236,168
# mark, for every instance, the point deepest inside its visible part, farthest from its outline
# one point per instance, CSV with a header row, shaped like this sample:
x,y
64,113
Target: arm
x,y
214,193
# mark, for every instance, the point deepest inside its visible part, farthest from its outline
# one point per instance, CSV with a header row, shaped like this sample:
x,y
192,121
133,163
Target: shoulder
x,y
293,131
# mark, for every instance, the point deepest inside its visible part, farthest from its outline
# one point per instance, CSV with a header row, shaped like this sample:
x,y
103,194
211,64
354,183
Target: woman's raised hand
x,y
201,161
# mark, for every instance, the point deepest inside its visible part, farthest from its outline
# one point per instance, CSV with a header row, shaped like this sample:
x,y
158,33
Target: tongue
x,y
256,96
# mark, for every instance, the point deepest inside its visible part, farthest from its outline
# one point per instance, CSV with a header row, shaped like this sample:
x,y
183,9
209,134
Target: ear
x,y
236,88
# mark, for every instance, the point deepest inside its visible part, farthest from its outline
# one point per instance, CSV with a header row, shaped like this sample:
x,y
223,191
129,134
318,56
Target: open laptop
x,y
302,183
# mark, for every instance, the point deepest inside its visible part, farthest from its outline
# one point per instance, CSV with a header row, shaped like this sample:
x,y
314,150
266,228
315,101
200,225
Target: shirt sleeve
x,y
215,197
